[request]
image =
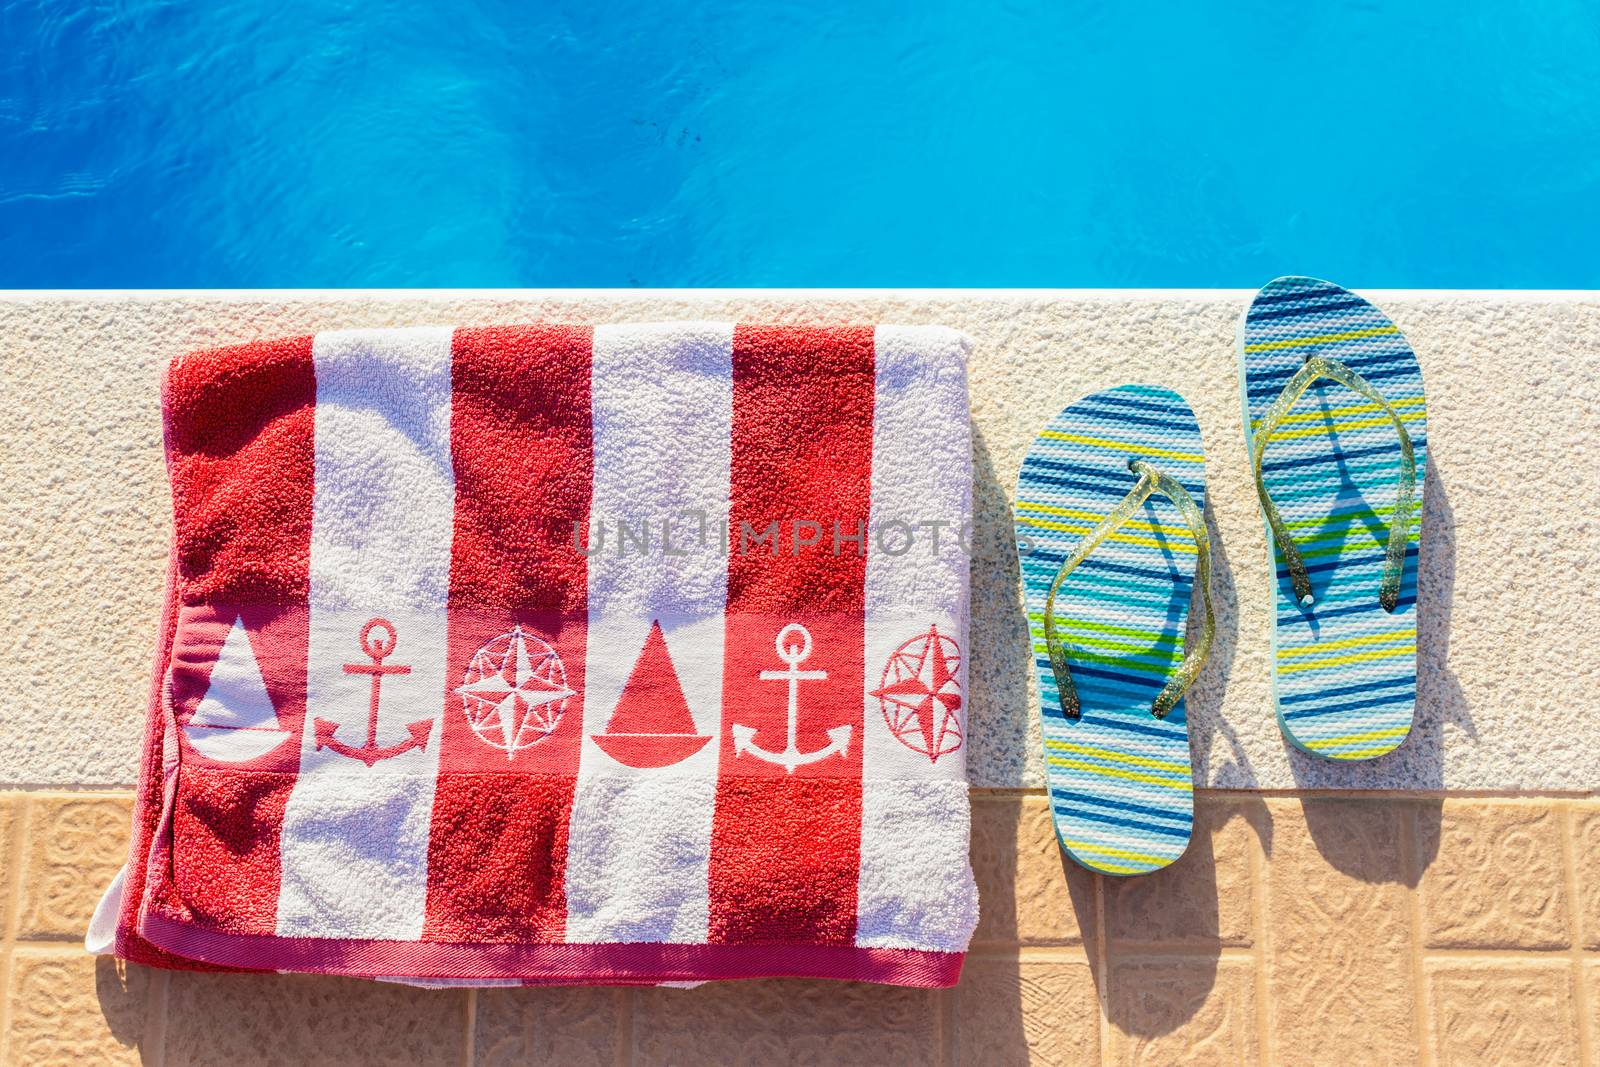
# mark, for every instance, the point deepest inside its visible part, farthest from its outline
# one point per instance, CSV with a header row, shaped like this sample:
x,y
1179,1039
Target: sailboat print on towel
x,y
651,726
235,721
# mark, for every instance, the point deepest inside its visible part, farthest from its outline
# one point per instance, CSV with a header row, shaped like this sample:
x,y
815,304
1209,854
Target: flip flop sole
x,y
1345,670
1121,782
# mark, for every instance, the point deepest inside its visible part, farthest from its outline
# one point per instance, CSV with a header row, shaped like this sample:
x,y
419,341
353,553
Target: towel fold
x,y
624,654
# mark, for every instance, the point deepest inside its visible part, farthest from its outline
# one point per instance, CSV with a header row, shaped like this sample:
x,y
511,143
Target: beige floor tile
x,y
1337,952
575,1027
1041,1011
1502,1012
1205,897
1339,965
1498,879
67,1007
785,1022
1586,852
1591,1010
10,806
240,1020
74,847
1183,1010
1028,891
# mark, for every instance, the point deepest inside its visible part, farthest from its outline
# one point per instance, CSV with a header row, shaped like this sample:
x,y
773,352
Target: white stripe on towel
x,y
639,847
916,888
355,838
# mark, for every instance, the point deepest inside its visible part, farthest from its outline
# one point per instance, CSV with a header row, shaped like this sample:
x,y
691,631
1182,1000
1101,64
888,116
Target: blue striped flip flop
x,y
1111,533
1337,433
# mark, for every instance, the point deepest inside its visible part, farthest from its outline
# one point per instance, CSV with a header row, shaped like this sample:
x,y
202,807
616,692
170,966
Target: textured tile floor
x,y
1348,929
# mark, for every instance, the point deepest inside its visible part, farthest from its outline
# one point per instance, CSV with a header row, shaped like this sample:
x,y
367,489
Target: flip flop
x,y
1112,538
1336,429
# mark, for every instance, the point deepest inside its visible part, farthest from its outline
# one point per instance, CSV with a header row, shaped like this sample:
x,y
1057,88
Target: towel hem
x,y
564,964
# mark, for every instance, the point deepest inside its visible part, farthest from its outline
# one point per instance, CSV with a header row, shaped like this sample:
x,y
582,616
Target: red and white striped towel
x,y
482,660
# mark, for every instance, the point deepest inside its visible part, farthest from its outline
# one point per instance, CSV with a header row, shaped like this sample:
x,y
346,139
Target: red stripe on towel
x,y
240,455
521,444
785,847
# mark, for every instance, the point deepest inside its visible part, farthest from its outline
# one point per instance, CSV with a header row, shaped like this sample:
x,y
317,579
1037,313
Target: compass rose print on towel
x,y
514,691
652,726
920,694
377,649
794,648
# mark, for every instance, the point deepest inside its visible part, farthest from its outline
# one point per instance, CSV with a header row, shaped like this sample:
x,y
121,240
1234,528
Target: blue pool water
x,y
1024,143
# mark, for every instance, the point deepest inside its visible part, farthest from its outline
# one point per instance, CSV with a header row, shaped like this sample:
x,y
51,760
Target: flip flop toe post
x,y
1336,429
1112,542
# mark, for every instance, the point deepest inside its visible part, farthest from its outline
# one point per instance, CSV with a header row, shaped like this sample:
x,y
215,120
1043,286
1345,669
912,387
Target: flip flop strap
x,y
1394,565
1150,481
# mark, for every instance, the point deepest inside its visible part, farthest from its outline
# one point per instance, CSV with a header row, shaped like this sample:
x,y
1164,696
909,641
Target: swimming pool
x,y
151,143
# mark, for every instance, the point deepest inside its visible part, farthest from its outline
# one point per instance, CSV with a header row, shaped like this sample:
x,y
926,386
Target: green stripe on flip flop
x,y
1345,670
1121,788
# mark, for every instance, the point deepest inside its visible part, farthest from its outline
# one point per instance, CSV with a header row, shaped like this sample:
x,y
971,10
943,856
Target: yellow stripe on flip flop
x,y
1362,753
1350,739
1120,757
1116,853
1354,657
1350,409
1345,427
1113,772
1323,339
1348,642
1109,868
1127,539
1096,519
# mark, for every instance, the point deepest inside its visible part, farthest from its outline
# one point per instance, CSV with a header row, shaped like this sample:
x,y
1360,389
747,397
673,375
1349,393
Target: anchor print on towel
x,y
794,648
920,694
377,649
514,691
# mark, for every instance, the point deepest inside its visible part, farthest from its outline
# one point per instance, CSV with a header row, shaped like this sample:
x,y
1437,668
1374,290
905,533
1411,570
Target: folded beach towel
x,y
542,654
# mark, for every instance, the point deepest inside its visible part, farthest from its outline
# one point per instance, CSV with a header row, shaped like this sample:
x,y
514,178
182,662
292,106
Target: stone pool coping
x,y
1510,617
